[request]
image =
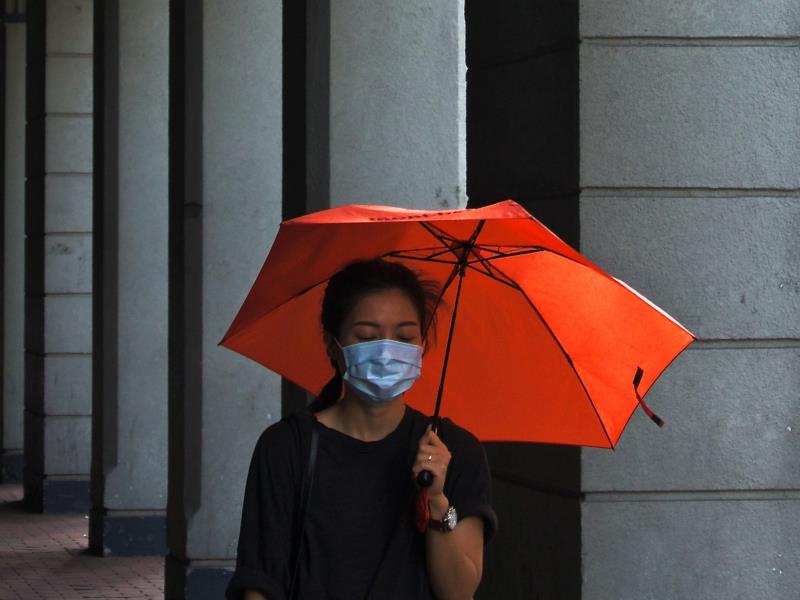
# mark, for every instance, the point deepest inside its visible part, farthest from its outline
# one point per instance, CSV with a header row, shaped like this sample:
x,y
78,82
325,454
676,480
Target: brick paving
x,y
46,556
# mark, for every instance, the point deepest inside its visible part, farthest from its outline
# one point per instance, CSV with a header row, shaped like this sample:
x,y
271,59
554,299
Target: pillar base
x,y
48,495
11,467
196,580
115,533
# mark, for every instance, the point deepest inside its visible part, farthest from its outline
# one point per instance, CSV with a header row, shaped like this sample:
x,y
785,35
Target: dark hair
x,y
363,277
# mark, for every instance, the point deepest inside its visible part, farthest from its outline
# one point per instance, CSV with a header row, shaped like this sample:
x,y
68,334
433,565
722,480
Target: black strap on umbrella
x,y
636,380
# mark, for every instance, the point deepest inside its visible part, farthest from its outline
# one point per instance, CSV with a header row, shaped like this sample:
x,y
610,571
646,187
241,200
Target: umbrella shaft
x,y
461,270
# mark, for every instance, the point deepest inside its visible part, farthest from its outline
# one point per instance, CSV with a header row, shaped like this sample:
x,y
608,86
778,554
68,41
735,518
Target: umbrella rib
x,y
421,259
563,350
483,271
510,283
446,285
486,264
433,249
394,254
479,258
501,254
442,235
466,247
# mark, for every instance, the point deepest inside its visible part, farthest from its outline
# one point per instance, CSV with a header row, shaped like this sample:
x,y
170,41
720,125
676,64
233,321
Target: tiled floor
x,y
46,556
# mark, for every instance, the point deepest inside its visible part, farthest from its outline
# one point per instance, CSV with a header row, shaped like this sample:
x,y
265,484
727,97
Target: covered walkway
x,y
47,556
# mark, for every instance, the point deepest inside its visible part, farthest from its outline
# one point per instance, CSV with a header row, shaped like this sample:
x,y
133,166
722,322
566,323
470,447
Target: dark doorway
x,y
522,143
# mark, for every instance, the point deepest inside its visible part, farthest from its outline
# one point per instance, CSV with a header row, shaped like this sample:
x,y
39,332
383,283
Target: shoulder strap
x,y
305,497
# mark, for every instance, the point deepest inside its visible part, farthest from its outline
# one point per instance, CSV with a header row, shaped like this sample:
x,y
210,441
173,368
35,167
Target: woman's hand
x,y
433,456
455,558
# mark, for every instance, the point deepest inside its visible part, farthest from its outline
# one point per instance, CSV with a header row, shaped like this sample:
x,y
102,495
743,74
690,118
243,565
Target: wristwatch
x,y
448,522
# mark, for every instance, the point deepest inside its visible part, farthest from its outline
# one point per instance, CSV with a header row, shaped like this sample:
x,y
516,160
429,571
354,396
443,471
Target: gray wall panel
x,y
68,324
726,267
732,423
69,26
68,263
67,384
69,144
690,116
700,18
703,549
68,203
66,90
67,449
397,103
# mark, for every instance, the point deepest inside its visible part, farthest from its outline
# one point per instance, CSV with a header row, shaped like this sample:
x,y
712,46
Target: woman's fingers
x,y
432,455
431,437
434,439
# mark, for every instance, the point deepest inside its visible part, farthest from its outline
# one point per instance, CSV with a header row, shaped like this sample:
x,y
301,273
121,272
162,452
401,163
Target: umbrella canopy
x,y
546,344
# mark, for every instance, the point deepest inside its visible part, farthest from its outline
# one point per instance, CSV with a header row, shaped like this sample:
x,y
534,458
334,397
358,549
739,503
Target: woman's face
x,y
384,314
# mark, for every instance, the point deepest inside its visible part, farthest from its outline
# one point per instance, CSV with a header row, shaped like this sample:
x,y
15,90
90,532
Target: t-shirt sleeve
x,y
265,536
469,484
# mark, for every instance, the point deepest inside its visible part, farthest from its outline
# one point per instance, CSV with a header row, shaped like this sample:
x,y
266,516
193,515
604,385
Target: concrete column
x,y
689,154
225,211
393,126
375,108
129,458
58,262
13,286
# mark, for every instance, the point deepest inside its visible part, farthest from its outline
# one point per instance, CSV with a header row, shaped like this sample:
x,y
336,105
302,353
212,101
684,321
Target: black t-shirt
x,y
359,540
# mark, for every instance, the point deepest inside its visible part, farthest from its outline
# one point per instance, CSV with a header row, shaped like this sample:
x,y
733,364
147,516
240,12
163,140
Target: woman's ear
x,y
331,348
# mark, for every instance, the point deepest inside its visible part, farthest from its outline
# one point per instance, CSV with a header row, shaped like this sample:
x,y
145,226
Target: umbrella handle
x,y
424,479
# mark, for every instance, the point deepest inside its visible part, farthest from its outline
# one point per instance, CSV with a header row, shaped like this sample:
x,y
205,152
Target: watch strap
x,y
443,525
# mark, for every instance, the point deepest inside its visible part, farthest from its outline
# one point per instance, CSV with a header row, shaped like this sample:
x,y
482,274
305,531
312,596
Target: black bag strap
x,y
305,498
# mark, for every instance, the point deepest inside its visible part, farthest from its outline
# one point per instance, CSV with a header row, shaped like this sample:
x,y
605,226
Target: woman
x,y
354,536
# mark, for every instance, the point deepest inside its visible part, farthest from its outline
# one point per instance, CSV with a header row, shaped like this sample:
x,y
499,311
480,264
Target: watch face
x,y
450,518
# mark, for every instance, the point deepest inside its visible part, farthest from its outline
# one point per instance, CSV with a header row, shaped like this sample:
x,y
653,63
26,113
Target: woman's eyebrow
x,y
405,323
373,324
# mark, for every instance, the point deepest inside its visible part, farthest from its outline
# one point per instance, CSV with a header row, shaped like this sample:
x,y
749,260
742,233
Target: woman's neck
x,y
359,420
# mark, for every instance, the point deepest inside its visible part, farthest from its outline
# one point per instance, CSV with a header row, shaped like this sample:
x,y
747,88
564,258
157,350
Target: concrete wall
x,y
689,128
396,105
13,351
59,254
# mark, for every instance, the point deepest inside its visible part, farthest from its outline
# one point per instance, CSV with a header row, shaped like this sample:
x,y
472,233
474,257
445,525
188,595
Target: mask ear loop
x,y
339,373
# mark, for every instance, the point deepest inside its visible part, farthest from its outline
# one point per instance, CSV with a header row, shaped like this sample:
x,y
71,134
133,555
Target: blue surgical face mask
x,y
381,370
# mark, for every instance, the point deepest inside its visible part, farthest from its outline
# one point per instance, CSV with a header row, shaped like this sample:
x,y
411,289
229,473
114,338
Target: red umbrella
x,y
541,344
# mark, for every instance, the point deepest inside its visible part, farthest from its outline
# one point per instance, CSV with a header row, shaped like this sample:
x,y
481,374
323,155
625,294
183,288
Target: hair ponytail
x,y
329,394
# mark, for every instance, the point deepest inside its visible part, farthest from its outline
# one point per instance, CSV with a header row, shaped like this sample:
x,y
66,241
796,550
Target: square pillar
x,y
58,259
225,208
129,429
386,111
